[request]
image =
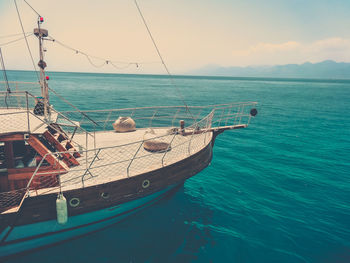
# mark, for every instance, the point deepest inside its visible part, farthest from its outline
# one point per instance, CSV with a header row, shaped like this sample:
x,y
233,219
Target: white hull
x,y
33,236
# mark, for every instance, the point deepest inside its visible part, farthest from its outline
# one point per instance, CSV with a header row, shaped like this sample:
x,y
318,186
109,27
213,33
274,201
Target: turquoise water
x,y
278,191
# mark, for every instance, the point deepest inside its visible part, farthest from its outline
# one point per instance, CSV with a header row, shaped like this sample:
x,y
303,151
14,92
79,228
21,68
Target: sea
x,y
276,192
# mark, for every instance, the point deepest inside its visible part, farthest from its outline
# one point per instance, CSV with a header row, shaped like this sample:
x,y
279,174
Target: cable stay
x,y
13,35
8,90
15,40
4,72
25,37
116,64
162,60
32,8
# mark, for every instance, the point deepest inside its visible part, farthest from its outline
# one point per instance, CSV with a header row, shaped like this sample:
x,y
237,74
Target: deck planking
x,y
122,155
18,120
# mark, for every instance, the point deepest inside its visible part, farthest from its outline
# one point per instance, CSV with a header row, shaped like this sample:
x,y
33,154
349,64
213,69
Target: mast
x,y
41,33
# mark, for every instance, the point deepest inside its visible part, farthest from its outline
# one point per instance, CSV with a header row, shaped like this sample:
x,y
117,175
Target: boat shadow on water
x,y
163,232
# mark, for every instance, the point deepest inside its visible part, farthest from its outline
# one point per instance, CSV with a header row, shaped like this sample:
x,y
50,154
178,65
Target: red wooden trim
x,y
68,158
27,172
42,150
120,191
10,162
12,137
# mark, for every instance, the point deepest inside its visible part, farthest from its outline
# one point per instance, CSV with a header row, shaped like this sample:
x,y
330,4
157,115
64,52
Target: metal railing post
x,y
107,120
228,114
241,113
36,171
198,116
88,169
127,169
95,138
168,149
189,144
86,147
222,114
82,118
175,117
27,112
151,120
206,127
236,115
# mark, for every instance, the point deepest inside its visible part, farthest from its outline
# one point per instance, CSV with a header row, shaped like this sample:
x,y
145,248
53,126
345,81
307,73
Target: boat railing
x,y
132,158
167,116
91,121
34,89
101,165
110,163
21,112
71,127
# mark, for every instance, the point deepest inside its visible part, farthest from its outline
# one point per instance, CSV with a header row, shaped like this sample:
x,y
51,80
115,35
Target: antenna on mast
x,y
41,33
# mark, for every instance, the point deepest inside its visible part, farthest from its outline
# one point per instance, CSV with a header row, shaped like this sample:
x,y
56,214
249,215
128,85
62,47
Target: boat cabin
x,y
22,153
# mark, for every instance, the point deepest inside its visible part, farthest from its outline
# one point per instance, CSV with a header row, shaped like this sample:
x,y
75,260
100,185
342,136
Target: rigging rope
x,y
13,35
162,60
25,37
4,72
81,112
32,8
105,61
92,63
126,66
8,91
15,40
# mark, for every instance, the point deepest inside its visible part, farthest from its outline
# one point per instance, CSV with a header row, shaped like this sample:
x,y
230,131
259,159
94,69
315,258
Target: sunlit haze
x,y
189,34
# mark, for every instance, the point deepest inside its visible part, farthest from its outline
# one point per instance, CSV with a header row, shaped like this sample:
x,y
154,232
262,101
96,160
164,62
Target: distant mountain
x,y
327,69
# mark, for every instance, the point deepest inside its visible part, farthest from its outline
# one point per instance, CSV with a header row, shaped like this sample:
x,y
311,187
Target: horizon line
x,y
251,78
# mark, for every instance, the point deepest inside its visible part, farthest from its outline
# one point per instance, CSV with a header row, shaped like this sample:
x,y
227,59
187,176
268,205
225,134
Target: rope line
x,y
8,90
13,35
81,112
161,58
15,40
154,43
92,63
105,60
32,8
4,73
126,66
25,37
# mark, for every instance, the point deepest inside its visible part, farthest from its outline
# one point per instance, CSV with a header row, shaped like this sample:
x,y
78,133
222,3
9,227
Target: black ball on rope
x,y
253,112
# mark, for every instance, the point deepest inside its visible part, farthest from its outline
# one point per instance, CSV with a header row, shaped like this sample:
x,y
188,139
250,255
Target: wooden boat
x,y
65,174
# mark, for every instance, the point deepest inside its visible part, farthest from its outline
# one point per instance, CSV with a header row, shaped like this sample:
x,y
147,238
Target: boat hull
x,y
32,236
36,225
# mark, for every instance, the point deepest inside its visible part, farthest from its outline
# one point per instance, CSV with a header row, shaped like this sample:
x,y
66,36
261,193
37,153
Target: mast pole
x,y
41,33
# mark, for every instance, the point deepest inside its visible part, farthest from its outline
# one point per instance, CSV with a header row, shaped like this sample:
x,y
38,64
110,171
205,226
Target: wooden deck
x,y
19,120
122,155
110,156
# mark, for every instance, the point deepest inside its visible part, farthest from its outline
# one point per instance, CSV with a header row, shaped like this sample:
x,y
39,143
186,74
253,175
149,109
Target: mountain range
x,y
327,69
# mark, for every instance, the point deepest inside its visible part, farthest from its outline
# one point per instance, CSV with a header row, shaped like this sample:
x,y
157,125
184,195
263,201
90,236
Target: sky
x,y
190,34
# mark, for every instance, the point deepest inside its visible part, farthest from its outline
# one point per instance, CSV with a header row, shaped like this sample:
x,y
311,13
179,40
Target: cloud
x,y
331,44
336,48
290,45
